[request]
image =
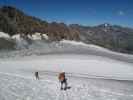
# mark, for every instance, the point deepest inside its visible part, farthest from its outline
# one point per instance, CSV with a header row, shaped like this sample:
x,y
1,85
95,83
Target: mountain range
x,y
114,37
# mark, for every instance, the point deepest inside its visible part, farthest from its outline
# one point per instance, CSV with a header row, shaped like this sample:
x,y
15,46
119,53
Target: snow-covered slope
x,y
4,35
48,88
93,73
40,48
87,76
77,64
21,43
38,36
35,36
91,46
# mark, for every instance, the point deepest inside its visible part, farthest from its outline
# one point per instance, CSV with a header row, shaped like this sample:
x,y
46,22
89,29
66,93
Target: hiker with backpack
x,y
63,80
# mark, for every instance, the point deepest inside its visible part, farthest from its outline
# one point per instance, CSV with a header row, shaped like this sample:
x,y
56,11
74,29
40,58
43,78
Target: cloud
x,y
121,13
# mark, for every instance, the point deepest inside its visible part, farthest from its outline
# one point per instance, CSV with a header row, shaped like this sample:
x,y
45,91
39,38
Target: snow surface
x,y
90,78
16,37
74,42
92,46
79,43
20,42
91,75
40,48
48,88
45,36
38,36
76,64
4,35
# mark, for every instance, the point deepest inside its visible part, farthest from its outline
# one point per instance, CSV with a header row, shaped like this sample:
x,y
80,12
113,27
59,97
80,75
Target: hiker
x,y
63,80
37,75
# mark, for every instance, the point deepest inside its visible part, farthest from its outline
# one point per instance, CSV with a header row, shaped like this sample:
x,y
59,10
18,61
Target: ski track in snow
x,y
22,88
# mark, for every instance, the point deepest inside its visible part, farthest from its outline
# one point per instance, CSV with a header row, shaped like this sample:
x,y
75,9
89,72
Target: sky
x,y
84,12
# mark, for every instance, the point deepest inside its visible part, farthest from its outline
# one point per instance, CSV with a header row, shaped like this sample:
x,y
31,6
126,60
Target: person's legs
x,y
65,82
37,77
61,85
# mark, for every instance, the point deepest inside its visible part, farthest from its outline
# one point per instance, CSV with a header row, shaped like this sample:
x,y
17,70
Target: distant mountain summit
x,y
14,21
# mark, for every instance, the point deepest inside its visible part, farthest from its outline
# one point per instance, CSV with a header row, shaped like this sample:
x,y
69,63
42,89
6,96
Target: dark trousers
x,y
37,75
65,83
